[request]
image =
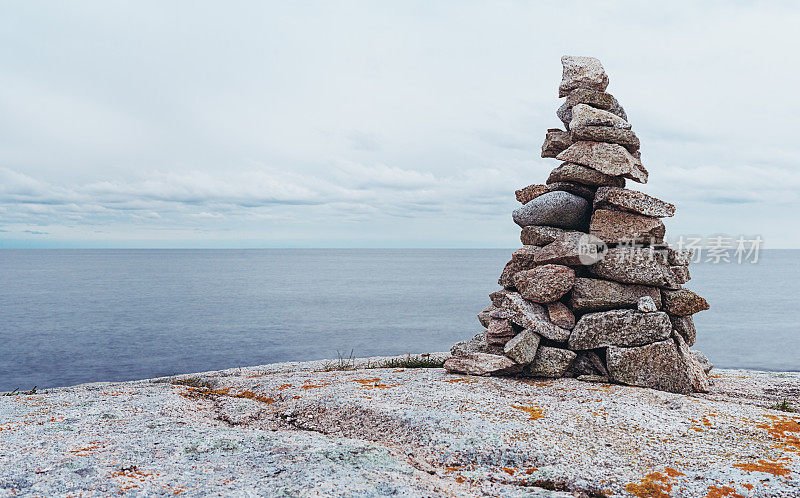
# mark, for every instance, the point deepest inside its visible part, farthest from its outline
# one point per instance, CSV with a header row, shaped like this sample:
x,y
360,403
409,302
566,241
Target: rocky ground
x,y
297,429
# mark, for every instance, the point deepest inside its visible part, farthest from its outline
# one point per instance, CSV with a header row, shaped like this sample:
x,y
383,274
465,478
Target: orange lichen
x,y
784,429
654,485
88,449
374,383
534,413
774,468
715,492
509,471
314,386
672,472
453,381
282,387
254,396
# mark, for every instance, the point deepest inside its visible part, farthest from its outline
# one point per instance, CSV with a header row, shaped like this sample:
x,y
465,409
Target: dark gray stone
x,y
481,364
558,209
619,328
550,362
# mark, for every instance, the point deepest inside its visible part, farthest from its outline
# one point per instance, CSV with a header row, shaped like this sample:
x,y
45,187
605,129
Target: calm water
x,y
75,316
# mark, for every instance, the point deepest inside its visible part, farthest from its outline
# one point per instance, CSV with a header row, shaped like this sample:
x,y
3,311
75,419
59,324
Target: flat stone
x,y
544,284
697,377
483,316
634,201
596,379
682,302
539,235
481,364
499,331
558,209
646,304
634,266
577,173
624,227
600,100
529,315
581,72
656,366
585,115
619,328
522,348
681,274
555,141
610,159
702,360
550,362
570,248
679,257
527,194
561,315
591,294
609,134
684,325
477,344
579,189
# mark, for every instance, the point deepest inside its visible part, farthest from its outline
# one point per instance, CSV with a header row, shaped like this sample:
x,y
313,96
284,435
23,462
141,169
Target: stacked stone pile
x,y
594,292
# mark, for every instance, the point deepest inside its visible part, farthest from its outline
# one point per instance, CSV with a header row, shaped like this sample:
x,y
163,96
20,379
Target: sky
x,y
377,124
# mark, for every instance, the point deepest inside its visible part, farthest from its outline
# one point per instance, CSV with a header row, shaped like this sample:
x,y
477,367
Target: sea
x,y
75,316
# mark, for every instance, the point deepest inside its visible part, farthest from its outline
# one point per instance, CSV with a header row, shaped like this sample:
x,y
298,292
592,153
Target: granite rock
x,y
584,115
581,72
697,377
646,304
539,235
544,284
561,315
522,259
527,194
591,294
609,134
499,331
630,265
623,227
702,360
610,159
570,248
600,100
577,173
522,348
477,344
619,328
555,141
681,274
656,366
550,362
634,201
684,325
677,257
579,189
483,316
588,363
558,209
682,302
529,315
481,364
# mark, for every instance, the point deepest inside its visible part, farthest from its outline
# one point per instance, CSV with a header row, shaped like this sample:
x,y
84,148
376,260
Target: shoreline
x,y
294,427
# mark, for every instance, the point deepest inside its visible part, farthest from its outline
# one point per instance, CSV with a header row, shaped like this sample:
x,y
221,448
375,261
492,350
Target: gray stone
x,y
527,194
634,201
499,331
679,257
584,115
529,315
481,364
634,266
477,344
623,227
550,362
697,377
561,315
544,284
681,274
558,209
646,304
522,348
555,141
581,72
537,235
483,316
610,159
591,294
571,172
682,302
570,248
619,328
600,100
684,325
656,366
625,138
702,360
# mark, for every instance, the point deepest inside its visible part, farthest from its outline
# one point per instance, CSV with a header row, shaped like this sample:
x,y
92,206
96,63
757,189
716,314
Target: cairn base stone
x,y
656,366
619,328
550,362
481,364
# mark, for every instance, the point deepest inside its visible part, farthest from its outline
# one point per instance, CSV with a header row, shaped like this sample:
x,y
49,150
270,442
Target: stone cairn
x,y
594,293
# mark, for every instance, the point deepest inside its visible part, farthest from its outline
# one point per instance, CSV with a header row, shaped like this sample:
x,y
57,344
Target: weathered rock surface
x,y
585,115
600,100
702,360
529,315
634,266
298,430
608,158
578,189
561,315
481,364
483,316
569,248
588,363
698,379
550,362
477,344
499,331
558,209
681,274
539,235
613,135
571,172
592,294
522,348
544,284
656,366
521,259
527,194
679,257
555,141
623,227
619,328
634,201
682,302
581,72
646,304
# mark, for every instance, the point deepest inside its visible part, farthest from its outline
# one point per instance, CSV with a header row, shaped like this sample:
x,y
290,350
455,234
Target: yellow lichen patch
x,y
672,472
310,385
282,387
719,492
509,471
534,412
454,381
784,429
775,468
253,396
655,485
374,383
128,479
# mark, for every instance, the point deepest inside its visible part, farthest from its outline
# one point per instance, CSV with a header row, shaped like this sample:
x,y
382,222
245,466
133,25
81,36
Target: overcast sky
x,y
376,124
